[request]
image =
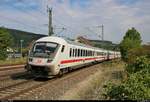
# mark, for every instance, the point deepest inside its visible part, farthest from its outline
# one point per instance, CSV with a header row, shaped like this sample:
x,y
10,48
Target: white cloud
x,y
117,18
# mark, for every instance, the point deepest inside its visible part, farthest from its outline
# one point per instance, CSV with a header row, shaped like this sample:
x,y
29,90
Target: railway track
x,y
5,68
56,85
9,90
8,76
28,86
20,88
5,78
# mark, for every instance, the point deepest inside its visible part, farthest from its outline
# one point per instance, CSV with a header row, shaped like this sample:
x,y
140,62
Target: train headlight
x,y
49,60
30,59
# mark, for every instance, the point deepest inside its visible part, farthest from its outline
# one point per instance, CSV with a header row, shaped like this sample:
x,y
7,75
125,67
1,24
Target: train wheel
x,y
69,69
60,74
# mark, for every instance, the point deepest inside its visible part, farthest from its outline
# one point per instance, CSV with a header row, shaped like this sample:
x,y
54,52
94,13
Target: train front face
x,y
41,59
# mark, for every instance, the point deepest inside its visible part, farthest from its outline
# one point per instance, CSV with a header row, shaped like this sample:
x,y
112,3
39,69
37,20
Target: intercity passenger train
x,y
53,56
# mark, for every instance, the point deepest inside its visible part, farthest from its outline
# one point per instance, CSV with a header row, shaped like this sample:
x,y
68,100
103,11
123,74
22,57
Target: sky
x,y
79,17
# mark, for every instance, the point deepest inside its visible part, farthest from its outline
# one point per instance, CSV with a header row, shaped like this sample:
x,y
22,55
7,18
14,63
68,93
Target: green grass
x,y
13,61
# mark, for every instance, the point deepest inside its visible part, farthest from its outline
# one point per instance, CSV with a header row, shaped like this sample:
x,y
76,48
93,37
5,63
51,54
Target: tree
x,y
6,41
132,39
144,50
25,52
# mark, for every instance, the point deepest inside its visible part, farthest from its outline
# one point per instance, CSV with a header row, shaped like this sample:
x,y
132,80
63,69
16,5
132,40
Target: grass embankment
x,y
14,61
92,87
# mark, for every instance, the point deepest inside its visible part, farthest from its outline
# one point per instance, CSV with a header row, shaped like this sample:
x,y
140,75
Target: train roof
x,y
61,40
52,39
80,44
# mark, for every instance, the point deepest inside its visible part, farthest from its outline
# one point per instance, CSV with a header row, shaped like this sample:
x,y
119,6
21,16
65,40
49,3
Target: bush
x,y
5,41
137,52
137,86
3,54
114,91
139,64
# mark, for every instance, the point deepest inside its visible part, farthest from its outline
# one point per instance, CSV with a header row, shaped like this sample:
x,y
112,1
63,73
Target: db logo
x,y
39,61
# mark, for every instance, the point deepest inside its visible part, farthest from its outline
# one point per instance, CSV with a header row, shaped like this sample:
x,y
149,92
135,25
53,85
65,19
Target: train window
x,y
44,49
63,47
78,52
90,53
73,53
81,52
86,52
70,52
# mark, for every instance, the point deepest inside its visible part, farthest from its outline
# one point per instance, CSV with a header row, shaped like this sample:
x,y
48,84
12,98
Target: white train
x,y
55,55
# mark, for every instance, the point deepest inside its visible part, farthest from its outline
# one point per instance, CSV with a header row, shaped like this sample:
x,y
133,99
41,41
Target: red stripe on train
x,y
90,58
78,60
70,61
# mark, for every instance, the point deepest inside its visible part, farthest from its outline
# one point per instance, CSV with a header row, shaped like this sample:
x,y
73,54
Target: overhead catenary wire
x,y
34,17
16,21
26,12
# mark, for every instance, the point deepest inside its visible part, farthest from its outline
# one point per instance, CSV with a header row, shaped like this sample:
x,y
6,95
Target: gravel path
x,y
58,87
11,72
55,88
14,78
11,66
